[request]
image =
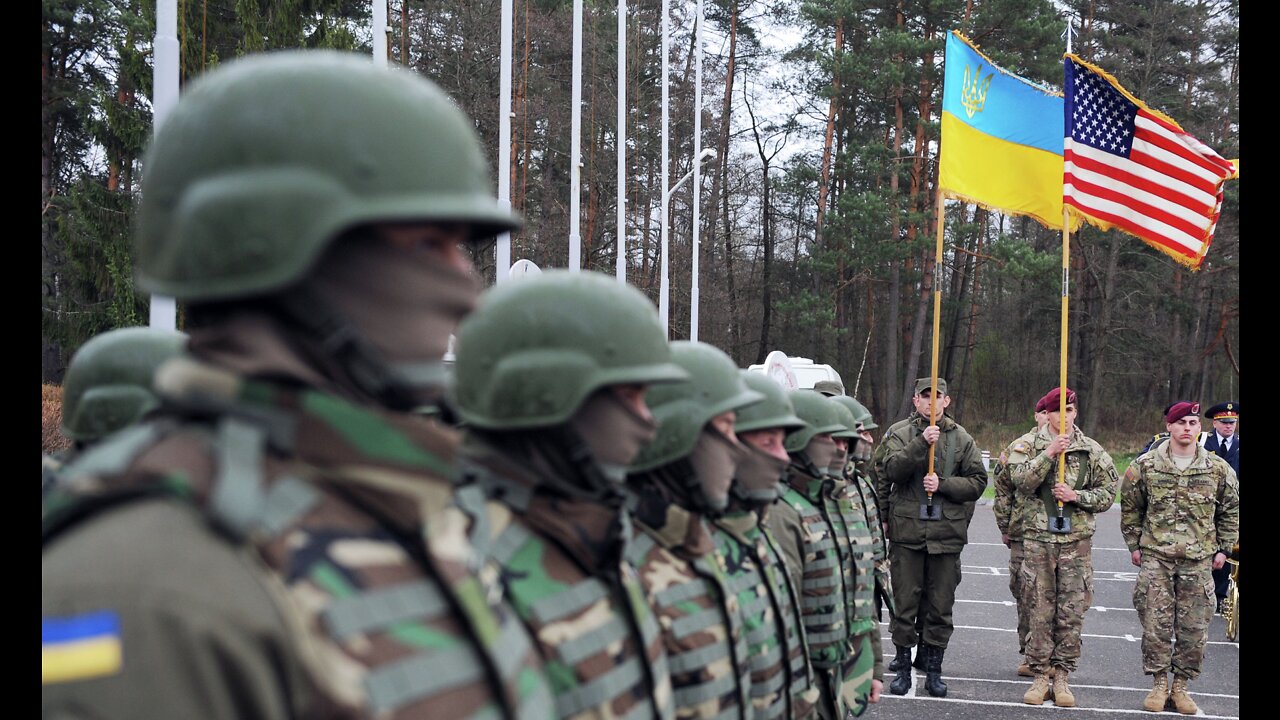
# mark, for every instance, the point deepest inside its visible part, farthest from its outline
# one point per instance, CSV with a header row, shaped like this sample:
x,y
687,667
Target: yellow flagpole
x,y
937,317
1062,360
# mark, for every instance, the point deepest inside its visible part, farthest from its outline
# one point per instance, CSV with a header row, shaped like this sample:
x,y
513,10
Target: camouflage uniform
x,y
808,526
563,564
781,683
1009,520
296,552
1179,519
1057,568
863,492
697,609
925,555
857,560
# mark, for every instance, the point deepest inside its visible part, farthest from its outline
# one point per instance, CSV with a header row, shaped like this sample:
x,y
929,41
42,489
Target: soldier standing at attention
x,y
679,481
1057,534
808,523
1225,441
277,542
1180,515
781,677
1009,520
554,413
858,522
929,516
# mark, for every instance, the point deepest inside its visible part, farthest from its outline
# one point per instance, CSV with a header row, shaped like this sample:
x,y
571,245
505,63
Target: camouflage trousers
x,y
1015,587
1057,588
845,691
1174,600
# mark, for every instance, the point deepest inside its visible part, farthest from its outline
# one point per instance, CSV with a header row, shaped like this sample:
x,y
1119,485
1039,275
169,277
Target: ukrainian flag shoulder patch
x,y
80,647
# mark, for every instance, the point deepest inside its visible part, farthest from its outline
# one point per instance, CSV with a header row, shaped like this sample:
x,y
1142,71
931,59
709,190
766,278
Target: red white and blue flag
x,y
1129,167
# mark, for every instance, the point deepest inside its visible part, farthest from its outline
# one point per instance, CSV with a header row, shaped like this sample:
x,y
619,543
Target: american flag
x,y
1132,168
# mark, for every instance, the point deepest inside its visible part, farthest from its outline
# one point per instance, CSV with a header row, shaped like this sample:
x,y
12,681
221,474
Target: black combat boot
x,y
902,680
919,662
933,671
895,665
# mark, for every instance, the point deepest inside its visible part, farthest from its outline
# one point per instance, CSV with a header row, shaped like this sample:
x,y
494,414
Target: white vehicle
x,y
795,372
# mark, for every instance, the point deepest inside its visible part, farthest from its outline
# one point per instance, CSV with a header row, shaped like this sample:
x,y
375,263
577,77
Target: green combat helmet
x,y
775,411
237,203
534,350
820,416
108,383
683,410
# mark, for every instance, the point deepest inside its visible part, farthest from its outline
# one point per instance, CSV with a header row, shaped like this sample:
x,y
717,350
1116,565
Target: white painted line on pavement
x,y
996,544
1074,684
1126,637
1138,712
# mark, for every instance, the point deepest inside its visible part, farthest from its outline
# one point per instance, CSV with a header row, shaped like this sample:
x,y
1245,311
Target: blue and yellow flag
x,y
1002,138
79,647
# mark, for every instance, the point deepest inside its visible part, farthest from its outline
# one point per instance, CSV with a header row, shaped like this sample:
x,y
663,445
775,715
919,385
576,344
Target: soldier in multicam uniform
x,y
1057,560
554,413
925,553
1009,520
1180,515
858,521
781,676
108,388
679,481
810,529
278,542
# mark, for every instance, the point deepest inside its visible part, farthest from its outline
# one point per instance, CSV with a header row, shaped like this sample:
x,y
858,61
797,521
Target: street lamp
x,y
664,293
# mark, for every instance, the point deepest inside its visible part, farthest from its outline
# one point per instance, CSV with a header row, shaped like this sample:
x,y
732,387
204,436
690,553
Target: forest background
x,y
817,215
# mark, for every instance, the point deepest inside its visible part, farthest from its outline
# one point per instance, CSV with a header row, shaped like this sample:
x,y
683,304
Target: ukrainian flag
x,y
1002,138
79,647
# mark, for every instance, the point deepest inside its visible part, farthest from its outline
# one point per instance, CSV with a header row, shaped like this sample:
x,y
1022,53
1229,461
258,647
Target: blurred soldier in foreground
x,y
108,387
1009,519
1057,532
809,527
680,480
1180,515
929,516
781,677
278,542
554,413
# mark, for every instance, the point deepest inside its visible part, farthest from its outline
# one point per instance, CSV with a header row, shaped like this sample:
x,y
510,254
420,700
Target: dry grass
x,y
51,438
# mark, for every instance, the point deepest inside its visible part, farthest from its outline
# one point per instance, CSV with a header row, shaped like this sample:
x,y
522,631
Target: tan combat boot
x,y
1181,700
1062,696
1039,691
1025,670
1159,694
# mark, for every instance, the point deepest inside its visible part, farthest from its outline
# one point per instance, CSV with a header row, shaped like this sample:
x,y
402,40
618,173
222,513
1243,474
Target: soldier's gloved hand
x,y
1219,560
931,434
1136,558
931,482
1059,444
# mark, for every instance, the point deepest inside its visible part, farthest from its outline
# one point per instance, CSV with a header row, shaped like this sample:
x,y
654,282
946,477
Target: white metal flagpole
x,y
502,248
575,138
697,173
380,33
664,308
622,142
164,310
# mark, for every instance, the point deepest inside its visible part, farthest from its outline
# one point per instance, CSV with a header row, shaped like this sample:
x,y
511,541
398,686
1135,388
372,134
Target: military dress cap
x,y
1227,412
829,387
925,383
1052,400
1181,409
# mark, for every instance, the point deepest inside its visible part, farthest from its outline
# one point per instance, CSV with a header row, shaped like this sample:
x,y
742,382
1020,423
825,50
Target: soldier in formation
x,y
1057,529
1008,514
929,514
1180,516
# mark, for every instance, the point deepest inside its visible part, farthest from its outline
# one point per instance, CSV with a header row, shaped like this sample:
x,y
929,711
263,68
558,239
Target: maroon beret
x,y
1050,402
1179,410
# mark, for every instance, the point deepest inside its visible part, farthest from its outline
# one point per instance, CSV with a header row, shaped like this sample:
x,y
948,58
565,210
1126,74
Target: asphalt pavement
x,y
980,667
